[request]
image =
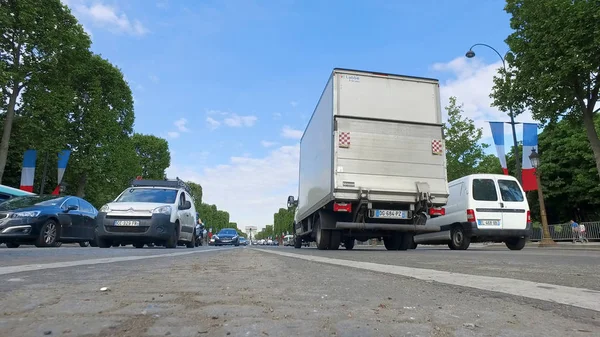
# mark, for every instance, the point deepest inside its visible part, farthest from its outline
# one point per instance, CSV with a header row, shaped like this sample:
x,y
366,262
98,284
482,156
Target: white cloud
x,y
250,189
266,143
105,16
173,134
294,104
276,115
237,121
154,79
288,132
212,123
181,125
471,83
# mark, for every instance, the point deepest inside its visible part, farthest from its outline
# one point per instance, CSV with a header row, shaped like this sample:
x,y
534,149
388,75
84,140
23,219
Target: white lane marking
x,y
577,297
34,267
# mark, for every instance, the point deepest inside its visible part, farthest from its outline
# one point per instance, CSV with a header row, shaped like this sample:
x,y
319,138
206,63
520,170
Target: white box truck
x,y
372,162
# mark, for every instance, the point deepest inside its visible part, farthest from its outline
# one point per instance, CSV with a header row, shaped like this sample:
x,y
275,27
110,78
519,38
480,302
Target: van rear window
x,y
510,190
484,190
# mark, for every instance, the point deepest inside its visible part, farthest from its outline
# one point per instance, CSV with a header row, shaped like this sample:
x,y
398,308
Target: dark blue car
x,y
227,236
46,220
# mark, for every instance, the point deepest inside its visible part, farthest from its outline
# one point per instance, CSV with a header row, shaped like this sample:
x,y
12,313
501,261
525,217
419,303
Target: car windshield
x,y
155,195
30,201
227,232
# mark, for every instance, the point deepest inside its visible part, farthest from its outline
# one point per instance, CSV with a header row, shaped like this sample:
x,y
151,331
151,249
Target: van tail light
x,y
437,211
342,207
471,216
528,217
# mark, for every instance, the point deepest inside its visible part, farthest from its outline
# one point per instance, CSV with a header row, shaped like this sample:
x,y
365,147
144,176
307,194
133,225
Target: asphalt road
x,y
280,291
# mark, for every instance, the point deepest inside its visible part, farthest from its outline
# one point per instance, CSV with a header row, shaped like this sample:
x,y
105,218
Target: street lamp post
x,y
546,241
471,54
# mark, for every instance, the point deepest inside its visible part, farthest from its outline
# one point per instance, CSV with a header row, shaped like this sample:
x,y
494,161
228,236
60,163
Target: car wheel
x,y
48,234
12,245
172,241
192,243
84,244
459,240
103,243
516,243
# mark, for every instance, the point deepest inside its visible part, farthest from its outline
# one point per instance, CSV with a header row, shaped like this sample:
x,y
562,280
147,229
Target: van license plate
x,y
126,223
495,223
390,214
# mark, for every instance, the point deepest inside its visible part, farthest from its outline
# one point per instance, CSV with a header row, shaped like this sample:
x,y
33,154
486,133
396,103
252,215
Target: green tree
x,y
102,114
35,37
554,75
462,141
196,193
154,154
489,164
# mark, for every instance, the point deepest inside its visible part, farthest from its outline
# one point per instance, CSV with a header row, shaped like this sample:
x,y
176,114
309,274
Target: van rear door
x,y
486,203
514,204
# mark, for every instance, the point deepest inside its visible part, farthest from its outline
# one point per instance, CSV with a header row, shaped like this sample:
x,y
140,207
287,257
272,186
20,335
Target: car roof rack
x,y
176,183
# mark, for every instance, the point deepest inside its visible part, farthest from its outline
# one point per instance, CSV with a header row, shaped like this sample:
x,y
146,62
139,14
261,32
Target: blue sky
x,y
232,84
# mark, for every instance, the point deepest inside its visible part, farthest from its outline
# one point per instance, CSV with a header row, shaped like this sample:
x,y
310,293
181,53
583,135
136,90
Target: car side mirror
x,y
186,205
72,208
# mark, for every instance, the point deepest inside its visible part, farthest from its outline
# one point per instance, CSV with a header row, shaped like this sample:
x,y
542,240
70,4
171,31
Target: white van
x,y
482,208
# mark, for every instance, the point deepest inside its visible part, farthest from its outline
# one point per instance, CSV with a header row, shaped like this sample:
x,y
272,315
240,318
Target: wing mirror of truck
x,y
291,202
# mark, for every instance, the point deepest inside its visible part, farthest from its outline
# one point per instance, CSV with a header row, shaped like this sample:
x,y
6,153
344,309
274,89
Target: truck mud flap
x,y
387,227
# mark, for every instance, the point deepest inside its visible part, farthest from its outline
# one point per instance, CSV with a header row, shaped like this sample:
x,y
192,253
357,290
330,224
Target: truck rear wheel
x,y
336,240
322,236
392,242
297,242
349,243
406,241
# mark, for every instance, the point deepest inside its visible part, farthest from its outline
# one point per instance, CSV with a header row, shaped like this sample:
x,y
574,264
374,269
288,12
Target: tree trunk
x,y
81,185
8,122
592,135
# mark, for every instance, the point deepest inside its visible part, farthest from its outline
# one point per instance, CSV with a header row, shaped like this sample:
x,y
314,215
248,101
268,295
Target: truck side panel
x,y
316,157
387,158
387,97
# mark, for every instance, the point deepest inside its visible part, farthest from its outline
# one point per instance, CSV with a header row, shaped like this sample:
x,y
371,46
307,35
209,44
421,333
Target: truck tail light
x,y
471,216
342,207
437,211
528,216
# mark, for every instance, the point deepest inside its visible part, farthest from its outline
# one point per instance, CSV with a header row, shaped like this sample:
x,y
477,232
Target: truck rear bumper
x,y
387,227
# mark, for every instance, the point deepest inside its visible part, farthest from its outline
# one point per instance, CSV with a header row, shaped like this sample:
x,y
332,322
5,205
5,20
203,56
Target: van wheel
x,y
172,241
459,239
516,243
322,236
192,243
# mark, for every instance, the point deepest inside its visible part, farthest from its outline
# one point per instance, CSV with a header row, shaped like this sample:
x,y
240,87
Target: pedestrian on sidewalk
x,y
582,234
575,230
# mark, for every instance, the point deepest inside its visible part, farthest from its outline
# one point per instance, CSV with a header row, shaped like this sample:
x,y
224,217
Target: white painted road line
x,y
34,267
577,297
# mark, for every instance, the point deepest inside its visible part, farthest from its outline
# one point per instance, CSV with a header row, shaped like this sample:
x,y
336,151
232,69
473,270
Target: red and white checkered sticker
x,y
436,146
344,140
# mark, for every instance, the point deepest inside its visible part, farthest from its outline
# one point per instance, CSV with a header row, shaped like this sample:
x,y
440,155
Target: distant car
x,y
243,241
7,192
46,221
227,236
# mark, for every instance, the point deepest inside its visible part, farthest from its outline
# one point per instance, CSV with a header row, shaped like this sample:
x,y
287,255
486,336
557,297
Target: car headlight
x,y
105,209
27,214
162,210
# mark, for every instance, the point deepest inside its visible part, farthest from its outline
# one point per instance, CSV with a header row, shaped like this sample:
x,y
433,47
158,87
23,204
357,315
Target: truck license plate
x,y
390,214
494,223
126,223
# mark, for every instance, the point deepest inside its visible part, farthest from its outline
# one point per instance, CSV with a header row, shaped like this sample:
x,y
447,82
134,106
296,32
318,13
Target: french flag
x,y
530,142
498,135
28,170
63,159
